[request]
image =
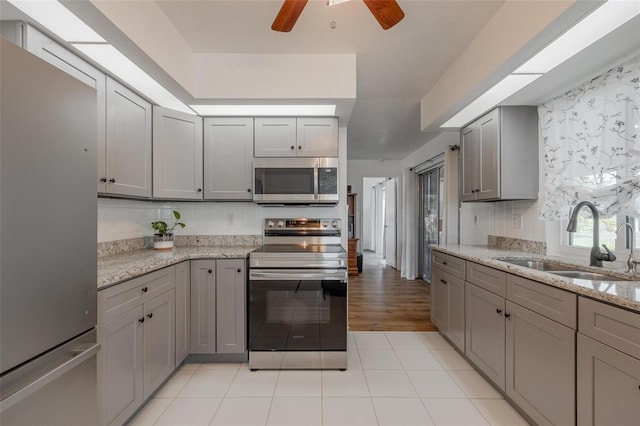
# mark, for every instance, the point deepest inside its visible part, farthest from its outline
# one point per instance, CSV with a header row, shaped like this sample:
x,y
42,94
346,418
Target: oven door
x,y
297,310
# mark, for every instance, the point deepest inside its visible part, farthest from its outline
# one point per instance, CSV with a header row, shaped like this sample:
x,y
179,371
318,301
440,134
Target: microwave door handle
x,y
316,175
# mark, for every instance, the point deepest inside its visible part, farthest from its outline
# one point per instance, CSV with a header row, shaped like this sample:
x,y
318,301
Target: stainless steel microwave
x,y
295,180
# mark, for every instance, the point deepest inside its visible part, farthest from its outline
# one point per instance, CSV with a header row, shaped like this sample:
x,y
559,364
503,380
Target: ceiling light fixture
x,y
112,59
492,97
592,28
267,110
59,20
336,2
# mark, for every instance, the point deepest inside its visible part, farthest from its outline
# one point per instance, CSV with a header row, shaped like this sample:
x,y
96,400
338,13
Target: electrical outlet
x,y
230,218
516,220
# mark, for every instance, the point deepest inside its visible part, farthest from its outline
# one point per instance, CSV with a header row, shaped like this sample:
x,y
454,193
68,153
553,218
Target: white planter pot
x,y
163,242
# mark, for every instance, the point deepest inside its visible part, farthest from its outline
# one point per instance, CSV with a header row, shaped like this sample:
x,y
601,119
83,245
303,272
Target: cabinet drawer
x,y
451,264
120,298
488,278
610,325
551,302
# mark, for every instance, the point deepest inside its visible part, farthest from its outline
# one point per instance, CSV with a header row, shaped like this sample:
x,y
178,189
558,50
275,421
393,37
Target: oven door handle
x,y
298,275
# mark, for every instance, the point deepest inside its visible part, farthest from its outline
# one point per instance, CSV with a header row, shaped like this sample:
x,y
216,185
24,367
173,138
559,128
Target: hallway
x,y
379,300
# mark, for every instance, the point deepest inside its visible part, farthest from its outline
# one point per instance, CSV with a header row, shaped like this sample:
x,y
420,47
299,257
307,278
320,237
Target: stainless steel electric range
x,y
298,296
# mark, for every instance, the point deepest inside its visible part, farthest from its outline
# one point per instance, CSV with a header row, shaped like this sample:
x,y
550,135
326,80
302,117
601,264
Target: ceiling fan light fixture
x,y
336,2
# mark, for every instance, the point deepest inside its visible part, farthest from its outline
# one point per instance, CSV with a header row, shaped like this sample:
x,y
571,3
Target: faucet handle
x,y
610,256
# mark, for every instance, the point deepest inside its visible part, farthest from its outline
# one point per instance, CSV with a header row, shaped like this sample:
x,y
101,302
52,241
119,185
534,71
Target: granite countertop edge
x,y
116,269
489,256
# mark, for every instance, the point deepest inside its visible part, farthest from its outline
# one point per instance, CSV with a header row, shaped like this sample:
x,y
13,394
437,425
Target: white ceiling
x,y
395,68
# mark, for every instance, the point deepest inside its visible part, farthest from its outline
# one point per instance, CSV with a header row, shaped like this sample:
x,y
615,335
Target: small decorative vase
x,y
163,242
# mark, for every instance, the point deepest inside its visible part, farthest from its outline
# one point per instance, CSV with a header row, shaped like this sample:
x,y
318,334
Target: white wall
x,y
120,219
367,236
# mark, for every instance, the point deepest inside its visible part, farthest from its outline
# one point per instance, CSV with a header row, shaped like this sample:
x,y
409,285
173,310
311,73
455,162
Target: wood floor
x,y
379,300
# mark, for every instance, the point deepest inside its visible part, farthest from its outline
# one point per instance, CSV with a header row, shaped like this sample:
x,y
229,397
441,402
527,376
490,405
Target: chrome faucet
x,y
597,256
632,263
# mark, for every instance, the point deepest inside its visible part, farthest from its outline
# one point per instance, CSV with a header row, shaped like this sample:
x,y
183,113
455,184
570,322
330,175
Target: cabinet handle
x,y
150,315
444,263
145,289
112,180
141,320
249,190
299,146
104,179
498,311
506,315
199,189
209,271
443,282
239,270
293,147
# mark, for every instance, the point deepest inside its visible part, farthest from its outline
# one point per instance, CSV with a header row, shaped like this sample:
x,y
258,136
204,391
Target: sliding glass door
x,y
430,187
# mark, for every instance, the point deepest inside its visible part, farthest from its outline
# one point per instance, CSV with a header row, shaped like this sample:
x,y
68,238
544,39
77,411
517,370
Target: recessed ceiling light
x,y
59,20
599,23
122,67
492,97
276,110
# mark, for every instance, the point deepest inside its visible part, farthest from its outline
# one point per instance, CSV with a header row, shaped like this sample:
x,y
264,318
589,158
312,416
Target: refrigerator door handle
x,y
49,377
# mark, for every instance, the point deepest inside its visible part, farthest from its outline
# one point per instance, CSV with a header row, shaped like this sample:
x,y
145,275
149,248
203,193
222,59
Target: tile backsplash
x,y
120,219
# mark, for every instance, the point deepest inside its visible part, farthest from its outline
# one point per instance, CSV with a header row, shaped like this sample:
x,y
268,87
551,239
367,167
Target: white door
x,y
390,222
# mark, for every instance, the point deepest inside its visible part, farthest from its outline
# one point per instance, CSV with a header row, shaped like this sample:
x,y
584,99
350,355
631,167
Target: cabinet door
x,y
159,340
439,300
455,323
540,374
231,306
317,136
275,137
489,150
228,150
485,332
177,155
183,311
203,306
50,51
120,366
469,150
128,142
608,385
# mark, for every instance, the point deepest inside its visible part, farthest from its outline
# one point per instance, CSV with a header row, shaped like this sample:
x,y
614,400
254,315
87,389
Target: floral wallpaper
x,y
592,145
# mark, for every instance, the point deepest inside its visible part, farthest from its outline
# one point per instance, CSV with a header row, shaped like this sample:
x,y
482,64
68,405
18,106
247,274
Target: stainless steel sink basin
x,y
593,276
540,265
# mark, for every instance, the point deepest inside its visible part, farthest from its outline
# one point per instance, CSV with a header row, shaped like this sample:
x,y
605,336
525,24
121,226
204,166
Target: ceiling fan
x,y
386,12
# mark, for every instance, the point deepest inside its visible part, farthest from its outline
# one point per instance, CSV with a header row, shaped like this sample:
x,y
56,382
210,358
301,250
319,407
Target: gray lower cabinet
x,y
486,333
608,390
218,306
159,341
540,366
183,311
448,307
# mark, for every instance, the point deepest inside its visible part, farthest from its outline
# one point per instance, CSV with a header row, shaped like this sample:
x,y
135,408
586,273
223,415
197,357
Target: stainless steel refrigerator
x,y
48,238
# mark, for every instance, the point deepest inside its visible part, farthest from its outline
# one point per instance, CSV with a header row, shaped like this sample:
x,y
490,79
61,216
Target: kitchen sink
x,y
593,276
540,265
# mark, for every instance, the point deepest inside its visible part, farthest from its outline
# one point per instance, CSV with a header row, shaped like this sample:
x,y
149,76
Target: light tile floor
x,y
394,378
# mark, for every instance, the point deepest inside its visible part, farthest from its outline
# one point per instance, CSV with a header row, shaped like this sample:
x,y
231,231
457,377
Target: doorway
x,y
379,222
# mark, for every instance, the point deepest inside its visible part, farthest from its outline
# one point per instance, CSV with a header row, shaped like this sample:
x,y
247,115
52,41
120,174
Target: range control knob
x,y
281,224
334,223
270,224
324,224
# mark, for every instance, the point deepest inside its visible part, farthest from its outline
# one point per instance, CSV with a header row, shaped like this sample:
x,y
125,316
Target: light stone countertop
x,y
625,294
117,268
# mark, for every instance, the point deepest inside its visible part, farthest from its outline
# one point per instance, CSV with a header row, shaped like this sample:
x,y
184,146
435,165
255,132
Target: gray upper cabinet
x,y
128,147
203,306
500,155
317,136
41,45
296,137
177,155
183,311
228,155
230,307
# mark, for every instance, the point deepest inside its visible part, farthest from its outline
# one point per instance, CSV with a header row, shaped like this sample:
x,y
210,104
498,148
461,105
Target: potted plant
x,y
163,237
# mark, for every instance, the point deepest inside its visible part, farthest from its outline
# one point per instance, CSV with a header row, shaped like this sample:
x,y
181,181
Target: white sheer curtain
x,y
591,137
408,268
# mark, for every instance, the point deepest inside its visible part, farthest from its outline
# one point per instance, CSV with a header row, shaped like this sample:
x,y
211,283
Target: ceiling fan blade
x,y
387,12
288,15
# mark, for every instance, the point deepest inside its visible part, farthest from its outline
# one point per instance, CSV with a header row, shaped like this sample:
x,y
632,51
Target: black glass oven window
x,y
327,180
280,181
306,315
